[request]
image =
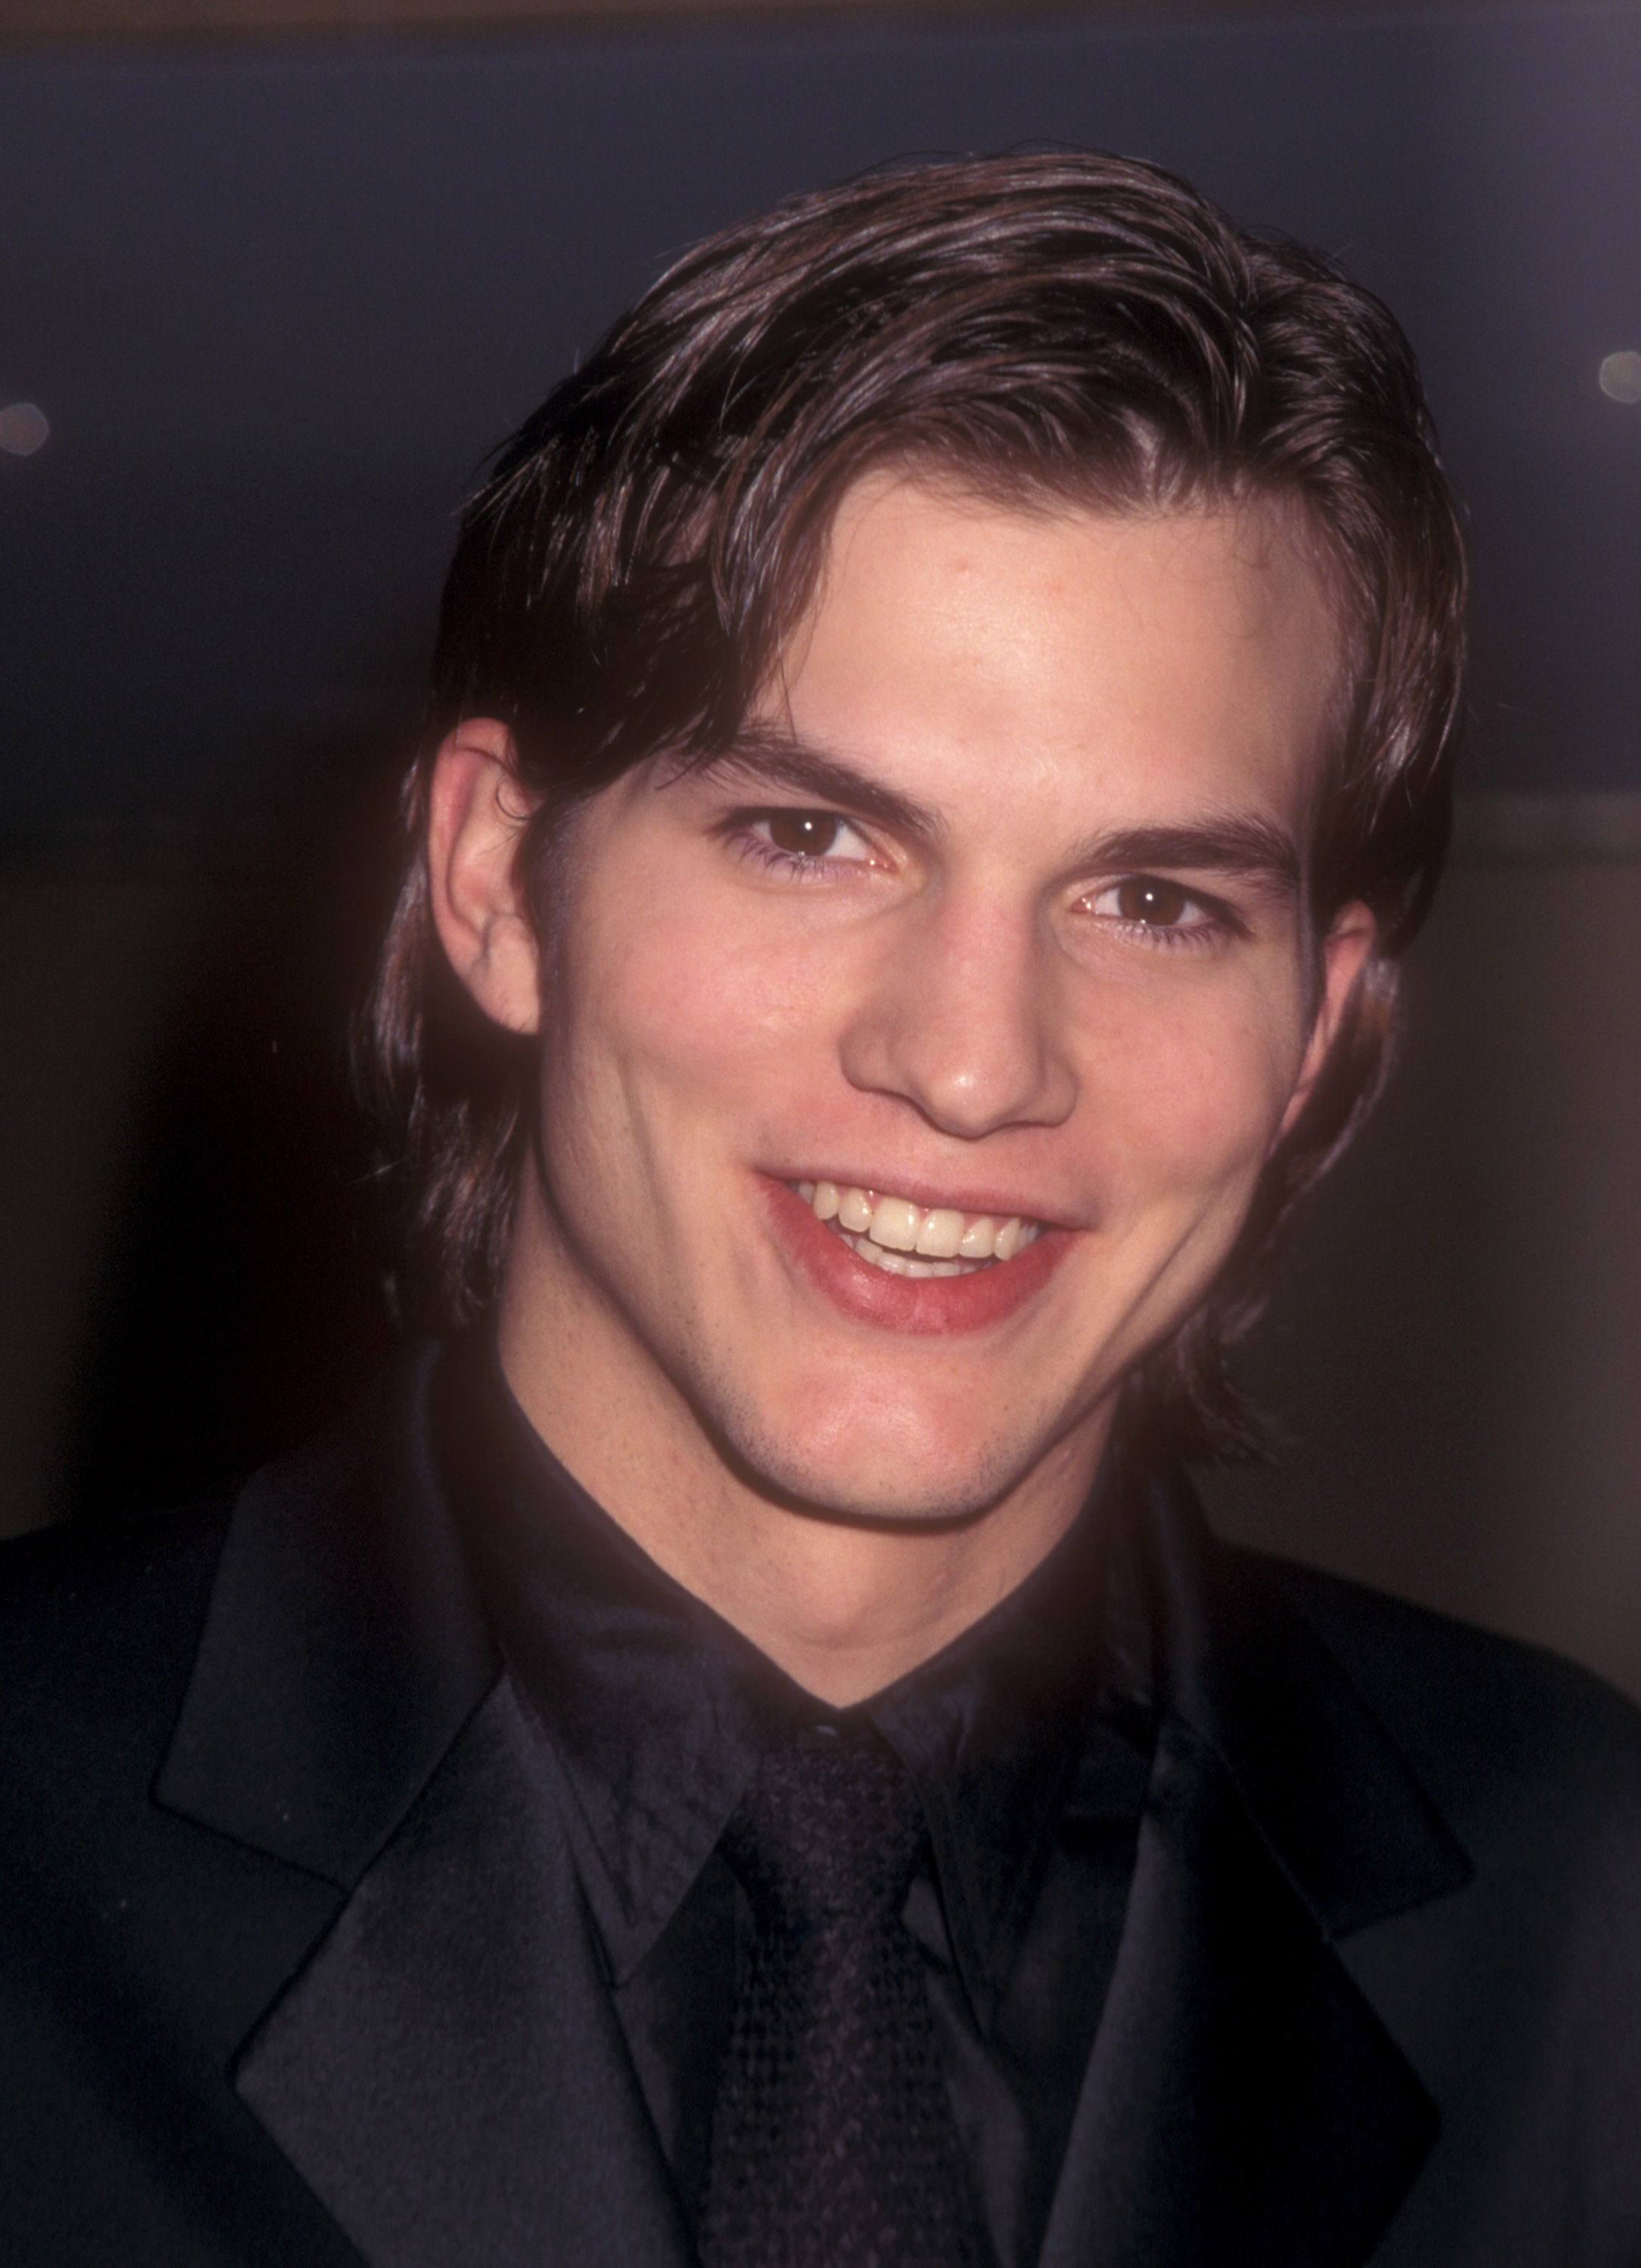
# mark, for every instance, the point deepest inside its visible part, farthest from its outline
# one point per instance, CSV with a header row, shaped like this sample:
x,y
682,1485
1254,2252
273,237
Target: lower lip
x,y
932,1305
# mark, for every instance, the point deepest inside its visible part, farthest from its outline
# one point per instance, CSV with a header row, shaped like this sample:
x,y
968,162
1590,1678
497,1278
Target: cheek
x,y
670,998
1198,1087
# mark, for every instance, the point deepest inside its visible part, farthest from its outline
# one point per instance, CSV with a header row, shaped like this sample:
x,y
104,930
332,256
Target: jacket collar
x,y
342,1649
1243,2102
447,2060
445,2070
1326,1788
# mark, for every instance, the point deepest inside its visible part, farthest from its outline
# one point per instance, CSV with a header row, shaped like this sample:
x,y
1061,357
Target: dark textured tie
x,y
833,2140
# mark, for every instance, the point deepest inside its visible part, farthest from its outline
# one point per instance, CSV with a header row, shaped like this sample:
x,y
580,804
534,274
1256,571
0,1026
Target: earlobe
x,y
476,814
1346,951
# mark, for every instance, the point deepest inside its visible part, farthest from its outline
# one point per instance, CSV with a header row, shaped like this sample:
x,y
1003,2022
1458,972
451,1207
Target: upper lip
x,y
969,1198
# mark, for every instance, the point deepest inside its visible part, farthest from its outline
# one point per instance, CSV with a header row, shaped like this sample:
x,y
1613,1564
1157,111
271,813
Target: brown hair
x,y
1049,325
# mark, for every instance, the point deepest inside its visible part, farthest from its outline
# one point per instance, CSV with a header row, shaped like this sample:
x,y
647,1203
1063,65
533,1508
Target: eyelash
x,y
1218,926
739,831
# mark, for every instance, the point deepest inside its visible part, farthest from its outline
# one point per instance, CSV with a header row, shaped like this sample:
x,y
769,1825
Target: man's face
x,y
990,943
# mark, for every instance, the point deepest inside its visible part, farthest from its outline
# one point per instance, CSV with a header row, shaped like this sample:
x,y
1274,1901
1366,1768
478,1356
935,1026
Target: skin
x,y
962,986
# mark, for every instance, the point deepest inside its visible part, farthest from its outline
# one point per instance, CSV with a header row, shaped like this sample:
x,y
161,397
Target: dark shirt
x,y
1029,1740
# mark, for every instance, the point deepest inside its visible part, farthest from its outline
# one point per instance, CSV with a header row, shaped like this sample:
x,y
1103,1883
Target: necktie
x,y
833,2140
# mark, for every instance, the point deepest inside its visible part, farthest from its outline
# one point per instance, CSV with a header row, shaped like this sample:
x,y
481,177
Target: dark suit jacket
x,y
294,1966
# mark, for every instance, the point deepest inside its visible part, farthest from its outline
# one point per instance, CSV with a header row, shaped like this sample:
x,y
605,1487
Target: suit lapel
x,y
343,1646
1244,2103
445,2070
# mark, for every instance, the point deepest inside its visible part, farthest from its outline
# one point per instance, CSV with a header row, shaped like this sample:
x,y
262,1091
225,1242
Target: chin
x,y
884,1468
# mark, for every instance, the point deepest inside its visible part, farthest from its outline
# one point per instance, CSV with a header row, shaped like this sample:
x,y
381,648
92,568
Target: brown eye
x,y
804,834
1151,903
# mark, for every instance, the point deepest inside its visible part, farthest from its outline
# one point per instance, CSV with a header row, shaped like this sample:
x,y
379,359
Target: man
x,y
746,1750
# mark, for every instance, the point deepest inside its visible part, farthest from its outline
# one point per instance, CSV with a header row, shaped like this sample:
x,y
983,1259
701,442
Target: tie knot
x,y
831,1826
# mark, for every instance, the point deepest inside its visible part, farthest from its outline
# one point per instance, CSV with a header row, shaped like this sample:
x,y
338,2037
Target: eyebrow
x,y
768,757
1240,844
1256,848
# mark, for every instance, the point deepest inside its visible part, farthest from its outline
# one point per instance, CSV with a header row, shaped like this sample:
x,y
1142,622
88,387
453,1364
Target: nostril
x,y
964,1041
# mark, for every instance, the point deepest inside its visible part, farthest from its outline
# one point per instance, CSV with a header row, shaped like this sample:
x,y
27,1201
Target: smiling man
x,y
908,1069
746,1750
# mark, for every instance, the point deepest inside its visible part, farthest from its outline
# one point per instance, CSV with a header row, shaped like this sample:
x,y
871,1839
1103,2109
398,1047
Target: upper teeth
x,y
937,1233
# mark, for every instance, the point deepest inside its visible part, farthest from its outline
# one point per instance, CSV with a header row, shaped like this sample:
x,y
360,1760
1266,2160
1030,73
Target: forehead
x,y
1187,657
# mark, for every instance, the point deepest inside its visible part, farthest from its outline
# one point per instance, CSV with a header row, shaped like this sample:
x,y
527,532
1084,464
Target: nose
x,y
960,1021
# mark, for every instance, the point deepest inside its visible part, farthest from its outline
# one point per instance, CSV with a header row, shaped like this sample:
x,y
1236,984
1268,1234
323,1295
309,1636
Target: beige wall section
x,y
1456,1343
1455,1347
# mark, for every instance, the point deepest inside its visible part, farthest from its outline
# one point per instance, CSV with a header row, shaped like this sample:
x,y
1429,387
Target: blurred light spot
x,y
24,428
1620,377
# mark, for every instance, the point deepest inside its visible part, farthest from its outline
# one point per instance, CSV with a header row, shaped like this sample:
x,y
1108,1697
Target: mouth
x,y
905,1239
884,1260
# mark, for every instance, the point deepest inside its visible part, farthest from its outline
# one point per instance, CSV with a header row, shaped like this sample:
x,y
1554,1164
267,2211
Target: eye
x,y
805,833
1152,904
797,842
1156,904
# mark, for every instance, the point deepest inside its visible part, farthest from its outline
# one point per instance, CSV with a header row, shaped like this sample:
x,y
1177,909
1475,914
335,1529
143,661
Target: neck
x,y
844,1607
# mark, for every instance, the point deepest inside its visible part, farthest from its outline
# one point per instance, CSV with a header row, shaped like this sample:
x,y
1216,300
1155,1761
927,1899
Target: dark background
x,y
278,301
277,305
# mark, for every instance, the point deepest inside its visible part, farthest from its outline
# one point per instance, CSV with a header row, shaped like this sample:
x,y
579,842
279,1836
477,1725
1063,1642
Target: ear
x,y
476,811
1345,952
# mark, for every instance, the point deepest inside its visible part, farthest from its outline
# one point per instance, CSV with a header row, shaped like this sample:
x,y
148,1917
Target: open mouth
x,y
904,1238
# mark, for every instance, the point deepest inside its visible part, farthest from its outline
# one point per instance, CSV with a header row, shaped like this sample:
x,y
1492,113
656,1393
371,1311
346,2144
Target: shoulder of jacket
x,y
1503,1734
98,1622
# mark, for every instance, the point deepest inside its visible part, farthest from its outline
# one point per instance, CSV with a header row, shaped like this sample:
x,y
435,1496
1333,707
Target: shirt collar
x,y
656,1711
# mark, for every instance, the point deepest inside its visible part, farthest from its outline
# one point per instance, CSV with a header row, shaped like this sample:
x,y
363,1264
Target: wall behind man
x,y
1453,1350
275,303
